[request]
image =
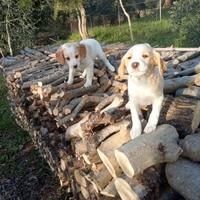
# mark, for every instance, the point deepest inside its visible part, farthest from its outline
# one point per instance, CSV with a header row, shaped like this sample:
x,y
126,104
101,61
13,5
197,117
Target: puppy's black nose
x,y
75,66
135,65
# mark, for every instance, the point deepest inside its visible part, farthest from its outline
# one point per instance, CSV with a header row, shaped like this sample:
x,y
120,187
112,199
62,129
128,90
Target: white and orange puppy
x,y
145,84
81,55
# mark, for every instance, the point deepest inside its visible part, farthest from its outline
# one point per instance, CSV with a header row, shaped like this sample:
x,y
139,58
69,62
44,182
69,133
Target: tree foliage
x,y
186,20
16,24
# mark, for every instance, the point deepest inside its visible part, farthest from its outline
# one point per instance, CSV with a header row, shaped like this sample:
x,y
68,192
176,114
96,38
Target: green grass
x,y
11,136
149,30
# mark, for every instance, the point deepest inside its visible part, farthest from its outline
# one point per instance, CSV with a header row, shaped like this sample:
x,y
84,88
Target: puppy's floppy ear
x,y
60,56
160,63
122,67
82,50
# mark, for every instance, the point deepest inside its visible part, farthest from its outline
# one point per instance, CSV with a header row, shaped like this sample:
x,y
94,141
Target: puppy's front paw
x,y
69,82
87,84
135,132
149,128
112,68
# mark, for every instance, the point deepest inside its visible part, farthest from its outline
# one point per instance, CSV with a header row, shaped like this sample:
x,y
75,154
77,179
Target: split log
x,y
86,101
72,104
69,95
95,119
116,103
45,80
181,112
106,150
183,177
191,147
75,130
80,179
149,149
171,85
192,91
99,180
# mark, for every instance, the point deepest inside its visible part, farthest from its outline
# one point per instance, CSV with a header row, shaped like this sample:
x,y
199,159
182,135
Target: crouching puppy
x,y
81,55
145,84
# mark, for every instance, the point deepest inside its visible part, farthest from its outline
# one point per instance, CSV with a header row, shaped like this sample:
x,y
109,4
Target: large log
x,y
171,85
192,91
147,150
181,112
184,177
191,147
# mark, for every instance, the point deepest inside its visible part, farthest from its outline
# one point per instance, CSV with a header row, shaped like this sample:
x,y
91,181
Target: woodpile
x,y
83,133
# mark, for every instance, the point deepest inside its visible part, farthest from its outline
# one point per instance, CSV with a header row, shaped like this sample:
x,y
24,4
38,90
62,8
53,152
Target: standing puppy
x,y
82,55
145,84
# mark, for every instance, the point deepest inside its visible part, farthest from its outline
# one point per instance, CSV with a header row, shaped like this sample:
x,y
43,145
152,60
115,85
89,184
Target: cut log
x,y
75,130
183,177
194,70
181,112
86,101
192,91
149,149
145,185
116,103
191,147
99,180
171,85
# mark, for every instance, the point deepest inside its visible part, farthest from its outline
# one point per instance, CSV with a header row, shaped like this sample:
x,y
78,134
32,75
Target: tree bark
x,y
83,20
191,147
181,112
183,177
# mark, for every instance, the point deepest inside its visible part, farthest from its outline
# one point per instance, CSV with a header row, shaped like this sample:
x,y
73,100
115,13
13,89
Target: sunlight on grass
x,y
155,33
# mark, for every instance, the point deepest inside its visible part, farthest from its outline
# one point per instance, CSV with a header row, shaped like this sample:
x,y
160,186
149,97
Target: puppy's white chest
x,y
141,94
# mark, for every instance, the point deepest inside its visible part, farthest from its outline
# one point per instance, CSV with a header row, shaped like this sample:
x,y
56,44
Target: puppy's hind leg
x,y
89,74
102,56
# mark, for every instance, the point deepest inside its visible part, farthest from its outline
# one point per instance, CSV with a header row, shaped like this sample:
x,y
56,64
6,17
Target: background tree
x,y
74,7
16,25
129,20
186,20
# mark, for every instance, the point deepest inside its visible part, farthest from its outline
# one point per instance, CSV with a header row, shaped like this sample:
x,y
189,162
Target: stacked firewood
x,y
83,133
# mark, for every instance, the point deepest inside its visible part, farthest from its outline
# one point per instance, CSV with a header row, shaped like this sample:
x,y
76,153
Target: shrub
x,y
186,20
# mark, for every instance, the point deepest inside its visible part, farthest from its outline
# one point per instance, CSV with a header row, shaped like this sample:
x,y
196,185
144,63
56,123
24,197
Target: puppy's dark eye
x,y
76,56
145,56
129,57
68,58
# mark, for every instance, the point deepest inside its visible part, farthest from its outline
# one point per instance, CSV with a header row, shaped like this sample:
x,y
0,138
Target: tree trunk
x,y
83,22
128,17
79,24
168,3
8,36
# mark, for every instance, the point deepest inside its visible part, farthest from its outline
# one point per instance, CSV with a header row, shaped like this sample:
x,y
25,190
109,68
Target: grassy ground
x,y
147,29
20,162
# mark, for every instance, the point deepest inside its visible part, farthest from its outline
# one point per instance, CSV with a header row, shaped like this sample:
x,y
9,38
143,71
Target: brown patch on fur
x,y
160,63
60,56
82,51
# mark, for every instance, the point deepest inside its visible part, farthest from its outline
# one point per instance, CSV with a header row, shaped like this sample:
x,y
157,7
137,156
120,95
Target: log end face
x,y
124,163
124,190
107,163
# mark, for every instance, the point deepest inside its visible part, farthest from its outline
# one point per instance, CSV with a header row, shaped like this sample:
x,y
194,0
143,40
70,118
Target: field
x,y
20,162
